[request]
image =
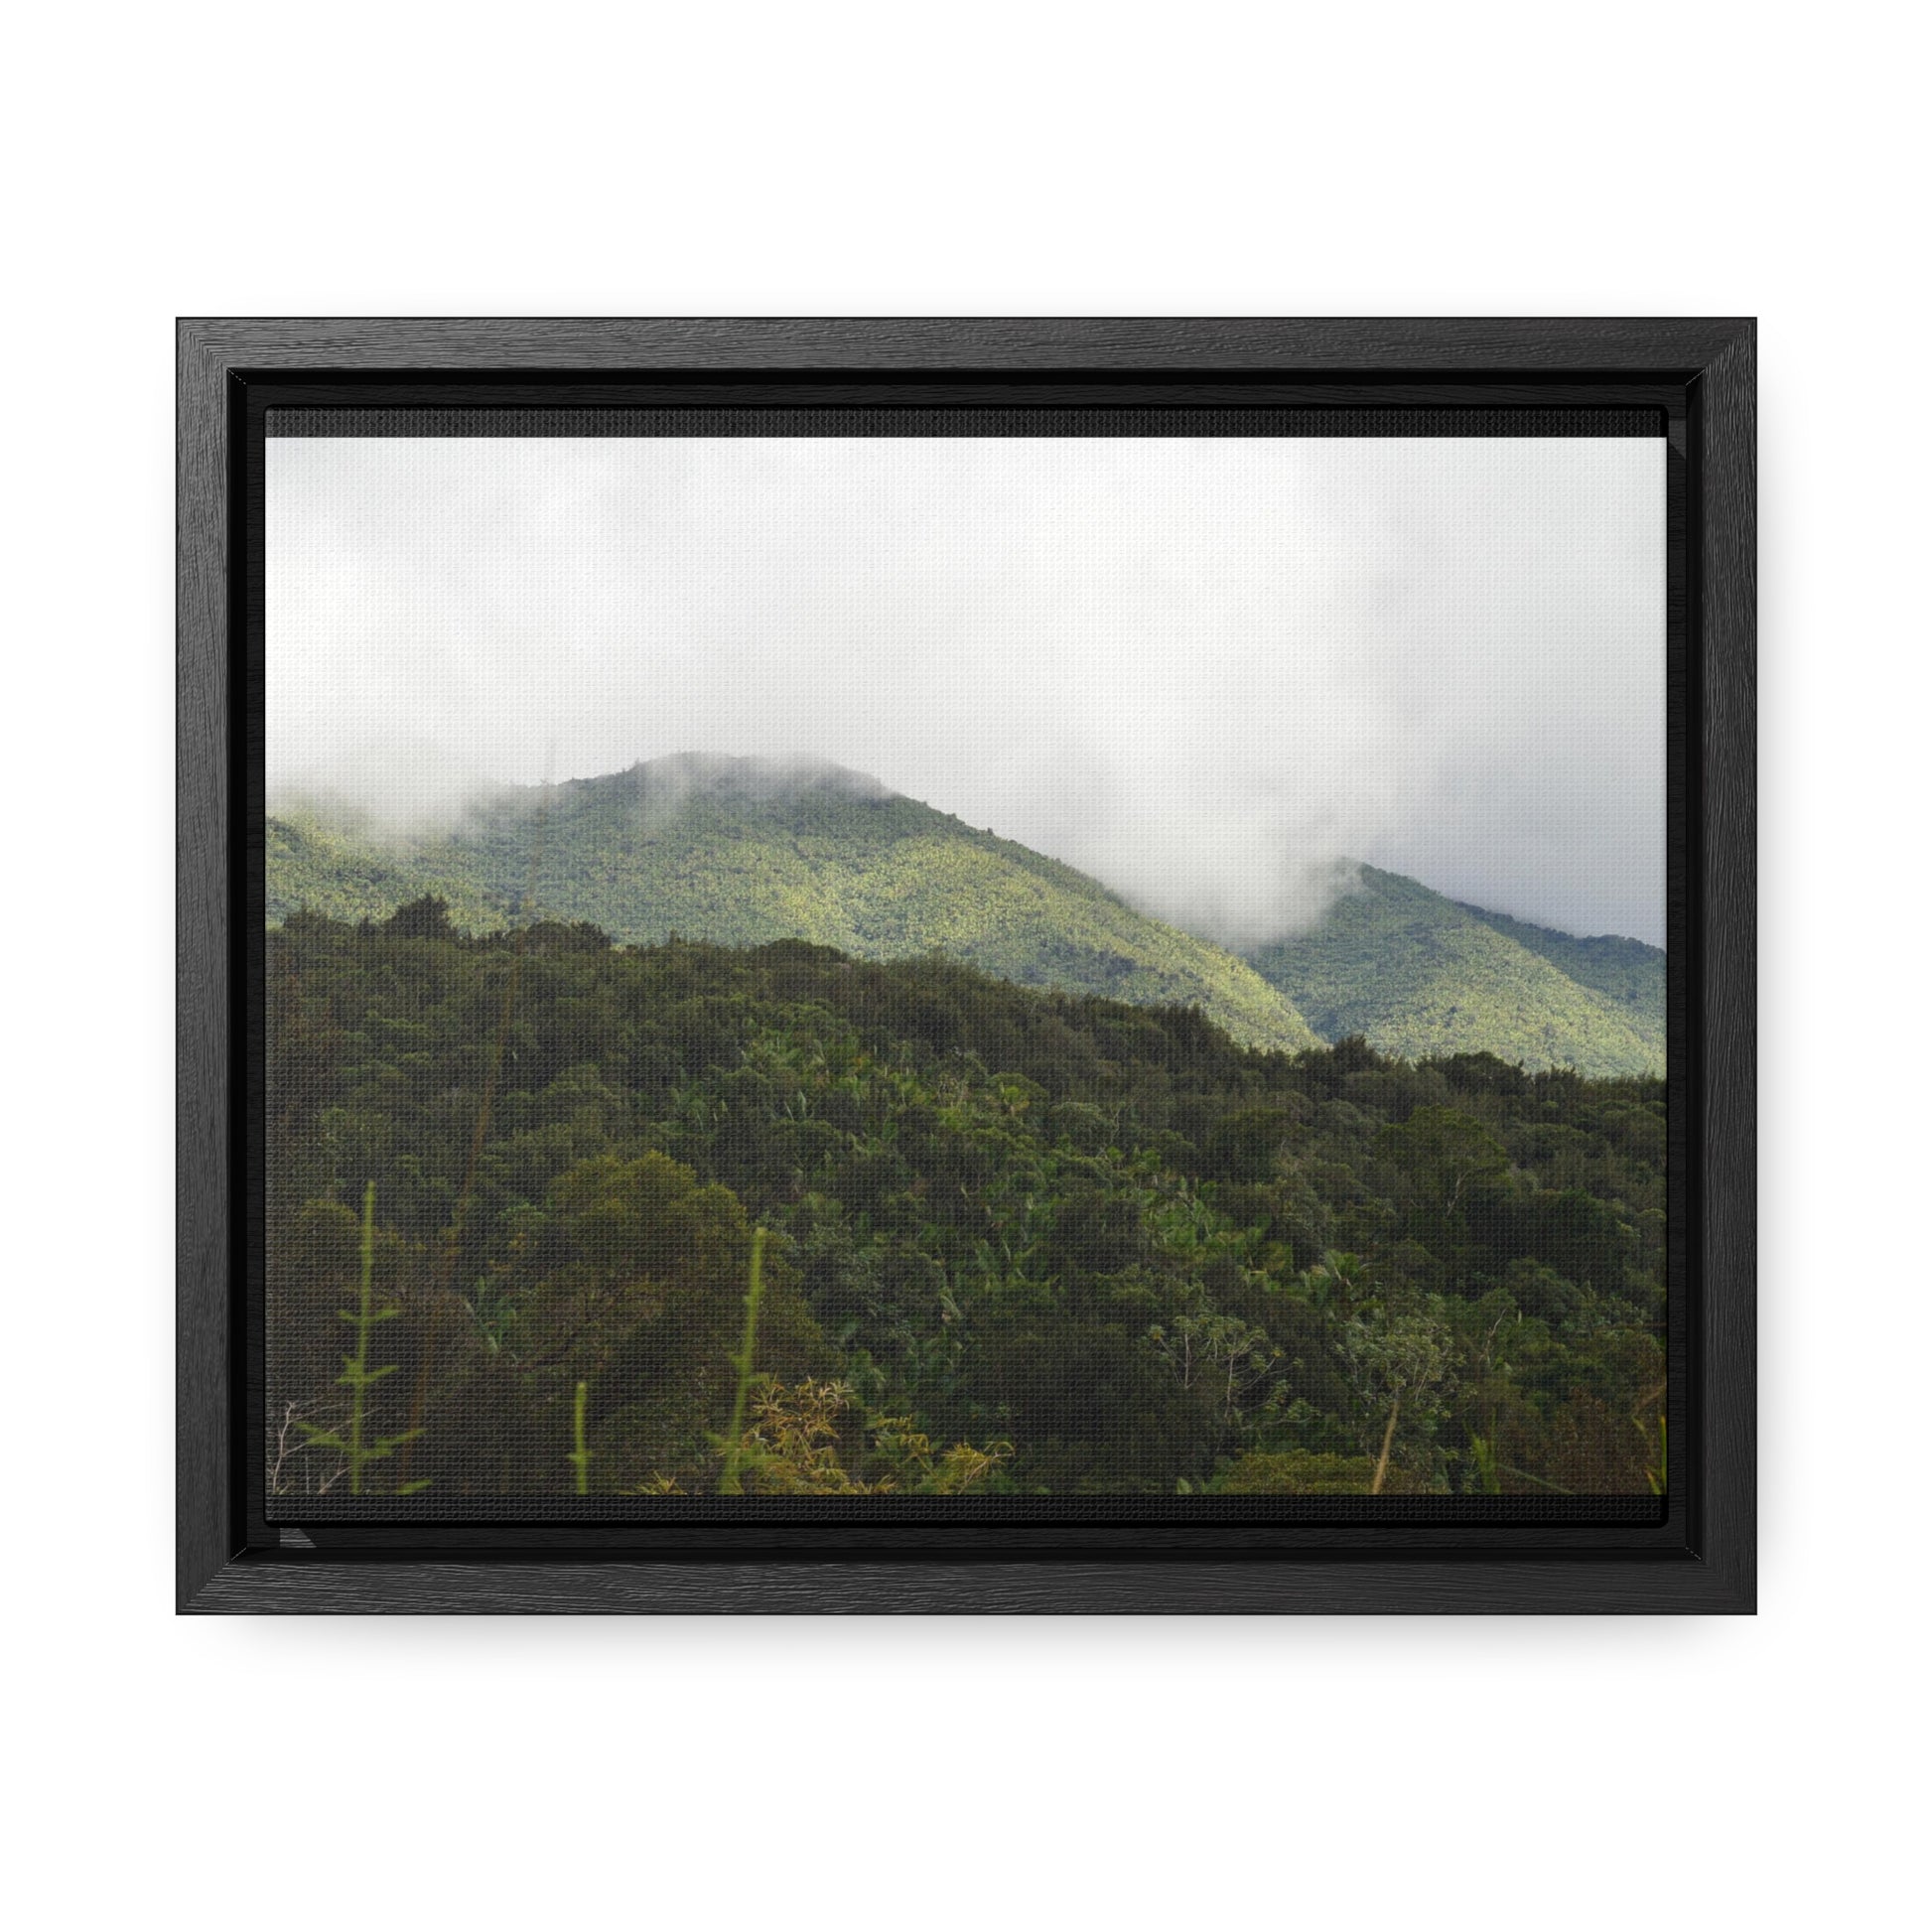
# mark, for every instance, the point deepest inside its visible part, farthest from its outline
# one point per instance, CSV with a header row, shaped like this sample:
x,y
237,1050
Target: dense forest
x,y
551,1216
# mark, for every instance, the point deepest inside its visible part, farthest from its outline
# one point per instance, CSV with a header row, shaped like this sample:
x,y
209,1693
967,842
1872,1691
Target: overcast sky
x,y
1203,670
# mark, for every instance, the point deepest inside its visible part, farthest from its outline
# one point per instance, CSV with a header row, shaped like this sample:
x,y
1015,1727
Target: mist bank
x,y
1208,671
1150,866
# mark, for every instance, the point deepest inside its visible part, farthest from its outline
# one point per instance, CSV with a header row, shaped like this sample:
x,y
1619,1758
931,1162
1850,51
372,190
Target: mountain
x,y
1422,975
740,851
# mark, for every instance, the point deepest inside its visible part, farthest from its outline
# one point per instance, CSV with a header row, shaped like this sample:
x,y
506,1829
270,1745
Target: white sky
x,y
1201,670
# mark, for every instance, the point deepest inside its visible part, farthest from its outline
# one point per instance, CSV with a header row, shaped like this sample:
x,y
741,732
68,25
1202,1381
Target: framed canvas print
x,y
966,966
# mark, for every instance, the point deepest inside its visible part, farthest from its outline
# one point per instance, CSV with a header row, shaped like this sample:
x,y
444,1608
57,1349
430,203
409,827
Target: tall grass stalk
x,y
1388,1443
1656,1470
728,1483
580,1455
357,1377
355,1368
1659,1477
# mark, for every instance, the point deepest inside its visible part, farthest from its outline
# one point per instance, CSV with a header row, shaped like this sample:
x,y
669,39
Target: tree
x,y
427,917
651,1277
634,1288
1400,1361
1219,1357
1443,1153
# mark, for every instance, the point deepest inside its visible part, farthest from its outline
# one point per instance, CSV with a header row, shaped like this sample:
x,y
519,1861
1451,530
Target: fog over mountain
x,y
1206,671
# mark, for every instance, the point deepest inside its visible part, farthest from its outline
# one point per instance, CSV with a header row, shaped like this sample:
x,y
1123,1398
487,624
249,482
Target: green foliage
x,y
1110,1245
1418,975
1222,1357
634,1291
805,1441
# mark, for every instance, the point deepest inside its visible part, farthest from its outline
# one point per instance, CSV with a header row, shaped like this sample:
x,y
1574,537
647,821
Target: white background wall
x,y
1005,159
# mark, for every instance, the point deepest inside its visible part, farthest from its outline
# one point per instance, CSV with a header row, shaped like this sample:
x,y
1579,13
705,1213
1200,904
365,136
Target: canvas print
x,y
997,969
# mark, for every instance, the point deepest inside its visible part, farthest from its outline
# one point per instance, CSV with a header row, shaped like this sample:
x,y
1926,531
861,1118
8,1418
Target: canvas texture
x,y
837,965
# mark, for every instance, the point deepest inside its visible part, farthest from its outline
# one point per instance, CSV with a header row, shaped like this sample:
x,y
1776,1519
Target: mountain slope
x,y
1421,975
736,851
1626,970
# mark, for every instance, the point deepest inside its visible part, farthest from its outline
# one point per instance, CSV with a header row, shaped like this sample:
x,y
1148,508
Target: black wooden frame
x,y
1701,370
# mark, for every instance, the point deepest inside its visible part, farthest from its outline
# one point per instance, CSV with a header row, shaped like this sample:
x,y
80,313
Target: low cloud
x,y
1214,673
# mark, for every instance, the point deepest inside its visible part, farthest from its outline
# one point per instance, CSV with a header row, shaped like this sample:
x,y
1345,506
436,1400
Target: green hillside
x,y
1628,971
1422,976
343,869
738,852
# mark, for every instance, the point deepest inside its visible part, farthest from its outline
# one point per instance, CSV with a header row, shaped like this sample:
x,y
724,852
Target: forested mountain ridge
x,y
738,852
741,851
1626,970
1418,974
